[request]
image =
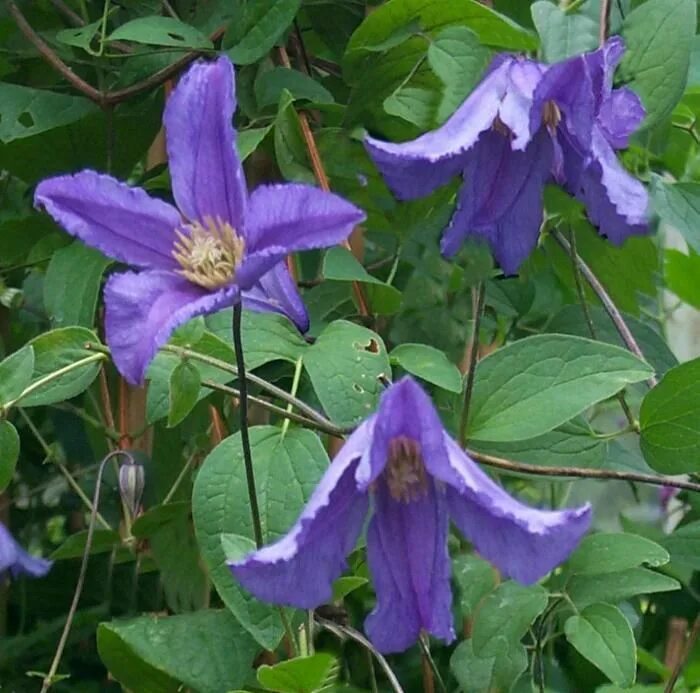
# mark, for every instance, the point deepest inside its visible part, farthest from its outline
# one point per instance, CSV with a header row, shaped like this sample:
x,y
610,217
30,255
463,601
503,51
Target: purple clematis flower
x,y
595,121
402,463
524,125
219,246
15,560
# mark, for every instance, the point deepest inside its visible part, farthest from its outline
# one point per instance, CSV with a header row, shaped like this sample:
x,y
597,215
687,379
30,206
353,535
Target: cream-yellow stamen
x,y
405,472
209,253
551,115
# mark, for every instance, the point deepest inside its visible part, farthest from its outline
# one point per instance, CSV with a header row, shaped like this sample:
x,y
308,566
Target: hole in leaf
x,y
357,388
26,119
176,37
372,346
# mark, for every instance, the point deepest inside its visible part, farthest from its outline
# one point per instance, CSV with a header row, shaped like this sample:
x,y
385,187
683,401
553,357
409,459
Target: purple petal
x,y
522,542
15,560
620,115
206,173
125,223
405,410
143,309
295,217
501,198
277,292
407,555
414,169
523,78
616,202
300,568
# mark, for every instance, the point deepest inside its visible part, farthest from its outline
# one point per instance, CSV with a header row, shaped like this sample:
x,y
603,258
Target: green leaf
x,y
81,37
72,284
602,634
536,384
618,586
207,651
679,205
26,112
345,365
103,540
252,35
681,272
484,674
670,421
185,383
249,140
570,444
299,675
286,471
505,616
339,264
158,516
428,363
612,552
397,20
161,31
459,59
269,86
684,545
9,453
658,36
343,586
562,33
60,349
475,578
290,150
15,374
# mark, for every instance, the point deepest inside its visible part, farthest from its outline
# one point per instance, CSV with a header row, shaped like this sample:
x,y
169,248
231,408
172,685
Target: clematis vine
x,y
402,467
219,247
16,561
527,124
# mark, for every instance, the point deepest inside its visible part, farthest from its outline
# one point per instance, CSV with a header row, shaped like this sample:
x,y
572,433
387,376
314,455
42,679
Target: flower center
x,y
208,253
551,115
405,472
500,127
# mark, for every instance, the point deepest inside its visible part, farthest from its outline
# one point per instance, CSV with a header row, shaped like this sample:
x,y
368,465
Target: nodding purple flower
x,y
524,125
403,468
16,561
220,246
595,120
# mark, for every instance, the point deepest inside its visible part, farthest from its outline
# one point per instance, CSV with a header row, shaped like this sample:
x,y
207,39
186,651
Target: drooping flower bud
x,y
131,482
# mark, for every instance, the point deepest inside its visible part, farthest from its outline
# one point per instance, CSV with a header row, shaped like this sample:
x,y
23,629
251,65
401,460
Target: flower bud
x,y
131,482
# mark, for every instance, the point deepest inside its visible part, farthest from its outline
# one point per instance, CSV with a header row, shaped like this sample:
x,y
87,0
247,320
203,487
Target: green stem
x,y
295,387
473,355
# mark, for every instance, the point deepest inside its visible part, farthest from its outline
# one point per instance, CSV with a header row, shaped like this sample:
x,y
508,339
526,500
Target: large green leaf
x,y
670,421
161,31
562,33
299,675
286,472
658,35
428,363
185,384
484,674
259,27
612,552
72,284
679,205
345,365
269,86
16,373
681,272
602,634
64,348
536,384
26,112
207,651
684,545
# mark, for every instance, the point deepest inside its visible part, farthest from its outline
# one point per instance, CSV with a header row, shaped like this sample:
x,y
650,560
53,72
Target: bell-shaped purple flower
x,y
220,245
403,468
593,120
16,561
503,166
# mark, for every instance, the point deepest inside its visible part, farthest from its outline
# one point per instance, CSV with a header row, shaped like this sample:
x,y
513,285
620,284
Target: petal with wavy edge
x,y
207,175
299,569
124,223
143,309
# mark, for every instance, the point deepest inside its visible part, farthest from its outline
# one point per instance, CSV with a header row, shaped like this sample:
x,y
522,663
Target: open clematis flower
x,y
16,561
595,121
403,465
503,165
219,246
